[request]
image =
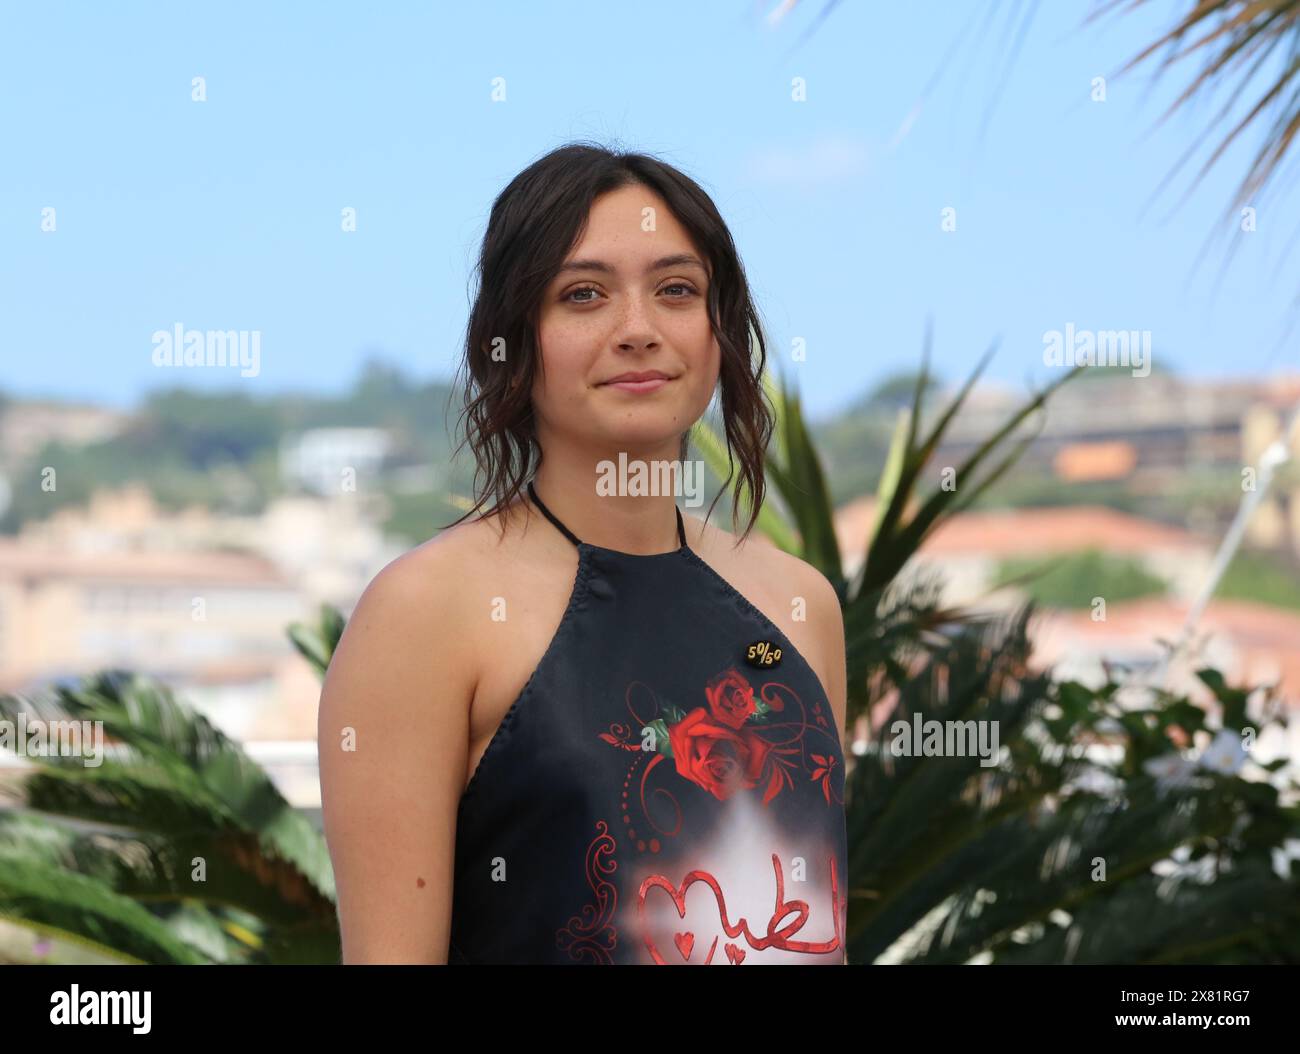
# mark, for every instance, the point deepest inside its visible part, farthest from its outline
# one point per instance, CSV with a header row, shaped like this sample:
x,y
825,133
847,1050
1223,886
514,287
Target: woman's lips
x,y
652,385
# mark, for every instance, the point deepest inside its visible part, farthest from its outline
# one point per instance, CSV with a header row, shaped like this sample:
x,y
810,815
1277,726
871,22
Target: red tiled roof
x,y
1004,532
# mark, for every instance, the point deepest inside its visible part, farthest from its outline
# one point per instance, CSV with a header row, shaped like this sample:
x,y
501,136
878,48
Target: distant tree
x,y
898,388
1072,581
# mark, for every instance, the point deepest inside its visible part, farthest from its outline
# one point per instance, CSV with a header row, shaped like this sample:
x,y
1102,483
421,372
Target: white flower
x,y
1170,771
1225,754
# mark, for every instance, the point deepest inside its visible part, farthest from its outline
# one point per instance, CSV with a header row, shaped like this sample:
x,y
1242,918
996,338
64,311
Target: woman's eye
x,y
573,297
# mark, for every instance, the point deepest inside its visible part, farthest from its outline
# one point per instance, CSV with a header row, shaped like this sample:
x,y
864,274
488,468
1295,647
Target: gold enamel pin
x,y
763,654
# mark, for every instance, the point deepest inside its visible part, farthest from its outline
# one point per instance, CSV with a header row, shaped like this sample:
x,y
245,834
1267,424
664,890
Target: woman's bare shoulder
x,y
411,630
456,561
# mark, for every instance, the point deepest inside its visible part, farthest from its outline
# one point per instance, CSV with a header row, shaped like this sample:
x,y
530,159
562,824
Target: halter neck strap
x,y
532,494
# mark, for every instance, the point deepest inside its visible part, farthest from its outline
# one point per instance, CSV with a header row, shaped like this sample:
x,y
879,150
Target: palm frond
x,y
1235,41
316,640
77,908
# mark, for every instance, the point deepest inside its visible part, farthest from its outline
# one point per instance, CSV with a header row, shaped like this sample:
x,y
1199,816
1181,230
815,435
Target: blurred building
x,y
1276,523
327,460
1170,425
1162,437
328,548
199,600
175,615
1248,642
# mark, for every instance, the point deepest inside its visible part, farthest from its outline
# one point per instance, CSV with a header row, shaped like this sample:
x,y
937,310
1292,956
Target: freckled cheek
x,y
708,367
694,340
568,354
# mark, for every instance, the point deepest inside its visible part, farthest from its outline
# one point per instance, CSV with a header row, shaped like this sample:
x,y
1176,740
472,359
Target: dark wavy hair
x,y
534,224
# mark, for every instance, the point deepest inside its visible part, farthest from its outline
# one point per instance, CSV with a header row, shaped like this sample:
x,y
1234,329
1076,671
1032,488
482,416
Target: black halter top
x,y
667,788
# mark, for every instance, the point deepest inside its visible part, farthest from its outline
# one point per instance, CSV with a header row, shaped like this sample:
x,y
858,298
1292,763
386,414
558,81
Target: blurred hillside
x,y
233,454
1170,450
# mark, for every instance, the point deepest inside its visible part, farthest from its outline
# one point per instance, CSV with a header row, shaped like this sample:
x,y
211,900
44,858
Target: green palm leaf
x,y
81,909
185,826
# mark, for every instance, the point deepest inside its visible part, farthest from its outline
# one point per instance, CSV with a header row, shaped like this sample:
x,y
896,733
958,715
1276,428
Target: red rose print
x,y
720,759
731,699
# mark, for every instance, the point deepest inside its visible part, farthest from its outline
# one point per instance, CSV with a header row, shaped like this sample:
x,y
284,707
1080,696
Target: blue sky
x,y
225,214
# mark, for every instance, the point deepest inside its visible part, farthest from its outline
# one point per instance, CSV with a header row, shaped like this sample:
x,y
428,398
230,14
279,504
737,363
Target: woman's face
x,y
626,301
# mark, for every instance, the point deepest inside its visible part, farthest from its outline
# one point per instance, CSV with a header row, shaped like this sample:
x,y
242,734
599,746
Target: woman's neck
x,y
626,503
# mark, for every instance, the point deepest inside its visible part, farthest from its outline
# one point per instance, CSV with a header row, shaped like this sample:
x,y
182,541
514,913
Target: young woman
x,y
580,727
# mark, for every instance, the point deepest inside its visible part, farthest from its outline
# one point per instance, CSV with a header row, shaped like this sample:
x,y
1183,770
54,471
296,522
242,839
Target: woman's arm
x,y
393,742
